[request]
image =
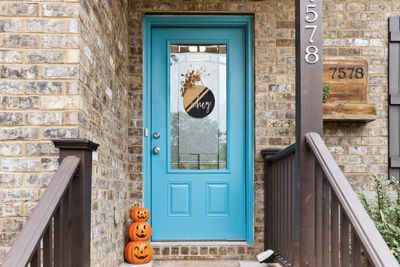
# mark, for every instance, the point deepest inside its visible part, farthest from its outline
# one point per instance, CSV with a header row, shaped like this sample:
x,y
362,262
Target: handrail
x,y
282,153
375,246
31,234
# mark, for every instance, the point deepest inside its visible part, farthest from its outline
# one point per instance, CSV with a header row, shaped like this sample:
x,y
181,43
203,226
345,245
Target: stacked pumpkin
x,y
139,250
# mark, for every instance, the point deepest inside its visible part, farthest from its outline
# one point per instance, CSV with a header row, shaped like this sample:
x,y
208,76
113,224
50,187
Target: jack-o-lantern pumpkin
x,y
139,231
139,214
138,252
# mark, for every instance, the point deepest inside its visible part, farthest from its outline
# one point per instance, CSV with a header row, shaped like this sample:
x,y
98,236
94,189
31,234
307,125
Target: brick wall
x,y
104,119
39,71
353,30
62,75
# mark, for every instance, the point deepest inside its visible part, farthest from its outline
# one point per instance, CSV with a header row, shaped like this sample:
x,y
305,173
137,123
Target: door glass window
x,y
198,136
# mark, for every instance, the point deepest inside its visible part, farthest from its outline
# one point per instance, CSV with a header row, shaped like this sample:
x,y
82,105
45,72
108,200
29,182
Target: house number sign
x,y
312,17
348,79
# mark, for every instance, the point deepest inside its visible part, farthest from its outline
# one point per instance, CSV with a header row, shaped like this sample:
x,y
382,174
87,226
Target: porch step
x,y
202,263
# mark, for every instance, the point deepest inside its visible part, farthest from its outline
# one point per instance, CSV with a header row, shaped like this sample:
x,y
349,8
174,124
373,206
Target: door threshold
x,y
198,243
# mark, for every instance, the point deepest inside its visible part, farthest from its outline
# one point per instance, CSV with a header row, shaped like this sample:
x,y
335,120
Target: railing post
x,y
81,186
308,119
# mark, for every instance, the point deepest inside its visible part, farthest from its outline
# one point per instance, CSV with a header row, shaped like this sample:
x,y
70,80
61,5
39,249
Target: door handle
x,y
156,150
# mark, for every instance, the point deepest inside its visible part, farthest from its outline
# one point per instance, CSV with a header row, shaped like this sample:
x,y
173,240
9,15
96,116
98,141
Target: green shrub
x,y
326,91
385,211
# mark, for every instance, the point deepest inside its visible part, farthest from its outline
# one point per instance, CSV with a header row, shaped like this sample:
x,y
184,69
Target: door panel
x,y
198,107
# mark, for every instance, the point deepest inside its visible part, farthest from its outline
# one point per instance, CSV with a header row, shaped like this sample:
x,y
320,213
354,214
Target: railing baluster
x,y
319,199
280,204
48,246
326,222
58,236
66,230
364,258
276,207
369,264
35,261
290,210
293,240
344,240
355,250
273,207
268,206
335,231
285,209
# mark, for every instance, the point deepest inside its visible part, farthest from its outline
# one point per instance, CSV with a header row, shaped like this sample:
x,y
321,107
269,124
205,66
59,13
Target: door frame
x,y
246,22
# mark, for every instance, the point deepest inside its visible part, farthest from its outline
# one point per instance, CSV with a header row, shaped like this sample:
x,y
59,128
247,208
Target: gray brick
x,y
60,10
38,149
49,164
10,25
60,102
45,25
18,133
19,194
12,224
10,149
43,88
19,165
10,180
61,133
11,118
61,41
37,179
11,87
20,102
20,72
73,26
44,57
43,118
18,9
10,210
61,72
10,56
20,41
7,239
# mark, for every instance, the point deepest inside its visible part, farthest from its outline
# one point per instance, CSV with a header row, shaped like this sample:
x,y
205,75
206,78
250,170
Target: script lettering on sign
x,y
199,101
312,17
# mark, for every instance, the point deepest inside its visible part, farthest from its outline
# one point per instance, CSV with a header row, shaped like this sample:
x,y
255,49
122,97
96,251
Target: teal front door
x,y
197,144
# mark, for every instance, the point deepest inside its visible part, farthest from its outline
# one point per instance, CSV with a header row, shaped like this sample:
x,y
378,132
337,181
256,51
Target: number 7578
x,y
347,73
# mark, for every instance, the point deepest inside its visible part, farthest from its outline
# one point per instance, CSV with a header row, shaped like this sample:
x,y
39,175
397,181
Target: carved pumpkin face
x,y
140,231
139,214
138,252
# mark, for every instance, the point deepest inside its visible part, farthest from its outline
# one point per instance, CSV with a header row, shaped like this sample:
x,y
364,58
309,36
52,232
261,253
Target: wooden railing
x,y
280,188
344,233
58,231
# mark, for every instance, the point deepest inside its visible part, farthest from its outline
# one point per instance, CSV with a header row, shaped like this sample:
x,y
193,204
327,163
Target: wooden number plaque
x,y
348,80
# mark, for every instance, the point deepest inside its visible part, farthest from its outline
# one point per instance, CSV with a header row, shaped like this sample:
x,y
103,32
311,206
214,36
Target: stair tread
x,y
202,263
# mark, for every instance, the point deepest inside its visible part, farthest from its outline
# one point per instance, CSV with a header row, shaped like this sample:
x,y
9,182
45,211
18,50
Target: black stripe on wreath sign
x,y
199,101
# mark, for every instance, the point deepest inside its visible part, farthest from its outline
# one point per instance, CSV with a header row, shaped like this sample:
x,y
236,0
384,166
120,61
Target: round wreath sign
x,y
198,100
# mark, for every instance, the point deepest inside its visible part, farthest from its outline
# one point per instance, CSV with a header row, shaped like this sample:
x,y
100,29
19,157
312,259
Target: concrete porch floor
x,y
202,263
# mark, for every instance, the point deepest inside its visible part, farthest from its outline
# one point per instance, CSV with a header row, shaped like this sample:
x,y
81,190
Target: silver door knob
x,y
156,150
